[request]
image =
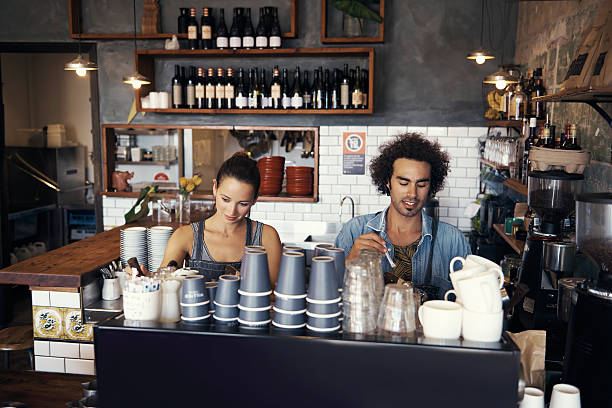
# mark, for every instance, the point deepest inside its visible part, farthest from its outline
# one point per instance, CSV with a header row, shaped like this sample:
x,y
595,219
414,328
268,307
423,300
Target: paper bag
x,y
601,69
532,344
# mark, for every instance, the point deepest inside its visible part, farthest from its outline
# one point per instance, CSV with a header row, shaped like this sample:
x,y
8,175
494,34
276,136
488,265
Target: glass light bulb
x,y
81,72
501,84
136,84
480,59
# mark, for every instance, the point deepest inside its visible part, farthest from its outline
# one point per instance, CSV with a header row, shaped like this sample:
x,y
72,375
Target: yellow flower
x,y
197,180
182,181
190,187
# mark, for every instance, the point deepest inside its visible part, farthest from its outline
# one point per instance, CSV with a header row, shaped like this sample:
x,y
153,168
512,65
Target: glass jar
x,y
510,266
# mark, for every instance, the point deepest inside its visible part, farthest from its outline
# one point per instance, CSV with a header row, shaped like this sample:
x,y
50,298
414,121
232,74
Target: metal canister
x,y
567,290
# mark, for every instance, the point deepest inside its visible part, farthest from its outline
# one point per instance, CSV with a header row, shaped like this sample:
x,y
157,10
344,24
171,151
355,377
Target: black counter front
x,y
178,365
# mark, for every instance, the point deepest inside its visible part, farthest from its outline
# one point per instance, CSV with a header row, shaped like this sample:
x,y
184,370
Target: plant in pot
x,y
355,12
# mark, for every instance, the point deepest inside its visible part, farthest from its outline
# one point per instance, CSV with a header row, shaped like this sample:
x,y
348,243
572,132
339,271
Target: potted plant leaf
x,y
355,12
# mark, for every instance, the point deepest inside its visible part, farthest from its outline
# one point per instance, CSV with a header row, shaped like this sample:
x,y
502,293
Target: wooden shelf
x,y
147,162
283,197
75,10
517,245
510,123
351,40
494,165
587,94
516,186
145,64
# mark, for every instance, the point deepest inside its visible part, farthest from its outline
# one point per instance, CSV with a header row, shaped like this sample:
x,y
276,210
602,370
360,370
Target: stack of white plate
x,y
134,244
157,237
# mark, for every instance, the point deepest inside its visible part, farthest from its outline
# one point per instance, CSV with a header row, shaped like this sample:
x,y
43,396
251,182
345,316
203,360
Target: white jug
x,y
170,311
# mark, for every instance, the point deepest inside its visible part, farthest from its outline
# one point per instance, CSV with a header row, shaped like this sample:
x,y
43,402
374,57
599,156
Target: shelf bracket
x,y
601,111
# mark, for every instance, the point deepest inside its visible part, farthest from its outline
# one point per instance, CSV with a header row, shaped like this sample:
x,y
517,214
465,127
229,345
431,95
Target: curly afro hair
x,y
410,146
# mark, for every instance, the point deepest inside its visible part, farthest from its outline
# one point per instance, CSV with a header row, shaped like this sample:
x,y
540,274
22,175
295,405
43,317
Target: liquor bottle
x,y
365,85
533,133
297,99
190,88
257,91
241,91
275,90
345,89
285,90
318,94
571,142
357,95
192,30
265,90
518,104
248,34
182,20
251,91
538,109
230,102
220,89
200,90
559,138
307,91
327,93
261,33
210,89
235,36
177,89
335,99
506,98
275,32
545,140
222,34
206,24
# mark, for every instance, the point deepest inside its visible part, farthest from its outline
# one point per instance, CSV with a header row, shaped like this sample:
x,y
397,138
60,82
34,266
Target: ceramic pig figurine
x,y
120,180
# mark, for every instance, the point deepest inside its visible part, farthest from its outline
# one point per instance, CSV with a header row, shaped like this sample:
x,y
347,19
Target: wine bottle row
x,y
206,35
250,89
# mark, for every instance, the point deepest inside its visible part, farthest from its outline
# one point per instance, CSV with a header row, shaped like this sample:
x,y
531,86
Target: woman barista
x,y
216,245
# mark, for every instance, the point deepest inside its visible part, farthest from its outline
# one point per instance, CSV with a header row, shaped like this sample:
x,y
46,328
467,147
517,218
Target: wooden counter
x,y
41,390
71,266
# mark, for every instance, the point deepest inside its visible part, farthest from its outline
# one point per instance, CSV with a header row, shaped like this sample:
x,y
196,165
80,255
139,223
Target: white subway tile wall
x,y
461,184
49,364
40,298
78,366
41,348
64,349
65,299
87,351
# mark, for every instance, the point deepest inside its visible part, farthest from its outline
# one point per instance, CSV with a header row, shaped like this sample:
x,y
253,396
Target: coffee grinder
x,y
588,351
551,196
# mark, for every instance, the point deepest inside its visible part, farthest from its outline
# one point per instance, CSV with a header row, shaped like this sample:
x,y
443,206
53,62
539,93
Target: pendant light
x,y
135,79
79,64
480,55
500,79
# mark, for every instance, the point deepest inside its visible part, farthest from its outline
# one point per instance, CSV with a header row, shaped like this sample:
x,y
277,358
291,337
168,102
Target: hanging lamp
x,y
500,79
135,79
80,65
481,55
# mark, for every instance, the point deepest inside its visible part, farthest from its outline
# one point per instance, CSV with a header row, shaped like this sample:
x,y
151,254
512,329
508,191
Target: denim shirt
x,y
450,243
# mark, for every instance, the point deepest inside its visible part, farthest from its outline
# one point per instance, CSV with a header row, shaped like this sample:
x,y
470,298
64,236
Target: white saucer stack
x,y
134,244
157,238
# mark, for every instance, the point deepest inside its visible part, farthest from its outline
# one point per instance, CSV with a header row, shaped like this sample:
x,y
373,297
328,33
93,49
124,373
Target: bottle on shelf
x,y
318,94
251,90
559,140
241,91
257,91
285,90
275,32
182,20
220,89
248,34
235,35
538,109
345,89
190,89
206,27
261,33
365,85
210,89
545,140
327,91
230,102
177,89
265,90
571,140
357,95
297,99
335,97
192,30
275,90
307,91
200,90
222,33
517,108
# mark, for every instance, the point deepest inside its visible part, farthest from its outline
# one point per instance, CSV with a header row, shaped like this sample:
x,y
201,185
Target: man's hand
x,y
371,240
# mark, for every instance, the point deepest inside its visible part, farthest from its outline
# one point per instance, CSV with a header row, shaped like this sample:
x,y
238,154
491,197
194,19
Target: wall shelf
x,y
325,39
592,96
145,64
509,123
494,165
75,10
516,186
146,163
207,196
514,243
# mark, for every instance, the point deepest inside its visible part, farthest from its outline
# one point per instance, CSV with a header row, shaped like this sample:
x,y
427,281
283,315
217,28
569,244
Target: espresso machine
x,y
588,351
547,255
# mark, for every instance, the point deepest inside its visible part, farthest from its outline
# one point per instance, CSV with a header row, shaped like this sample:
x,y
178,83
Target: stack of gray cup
x,y
211,287
226,299
255,289
290,304
194,300
339,259
323,296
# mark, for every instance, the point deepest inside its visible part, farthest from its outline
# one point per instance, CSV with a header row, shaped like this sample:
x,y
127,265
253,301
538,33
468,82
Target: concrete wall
x,y
548,35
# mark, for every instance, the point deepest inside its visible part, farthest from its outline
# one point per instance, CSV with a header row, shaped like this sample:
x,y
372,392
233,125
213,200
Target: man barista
x,y
411,170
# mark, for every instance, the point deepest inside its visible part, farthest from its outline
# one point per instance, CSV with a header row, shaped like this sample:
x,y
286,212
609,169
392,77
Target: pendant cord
x,y
481,23
135,45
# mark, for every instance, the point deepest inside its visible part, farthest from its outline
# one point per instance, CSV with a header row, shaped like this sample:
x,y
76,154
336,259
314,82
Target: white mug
x,y
440,319
164,100
480,292
154,100
111,289
471,261
481,327
565,396
456,276
533,398
471,267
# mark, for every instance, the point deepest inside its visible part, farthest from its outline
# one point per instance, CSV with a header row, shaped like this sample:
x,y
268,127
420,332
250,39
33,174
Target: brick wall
x,y
460,189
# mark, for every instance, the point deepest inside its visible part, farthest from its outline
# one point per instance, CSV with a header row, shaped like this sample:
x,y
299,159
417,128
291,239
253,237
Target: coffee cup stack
x,y
226,299
323,300
194,300
476,287
255,289
290,304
